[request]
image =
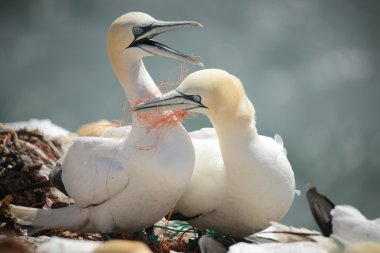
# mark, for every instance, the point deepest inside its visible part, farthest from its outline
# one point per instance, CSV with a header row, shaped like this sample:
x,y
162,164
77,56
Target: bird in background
x,y
344,223
344,230
124,184
248,184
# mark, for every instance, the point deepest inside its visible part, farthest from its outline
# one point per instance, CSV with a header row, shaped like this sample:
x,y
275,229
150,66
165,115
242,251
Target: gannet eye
x,y
197,98
137,30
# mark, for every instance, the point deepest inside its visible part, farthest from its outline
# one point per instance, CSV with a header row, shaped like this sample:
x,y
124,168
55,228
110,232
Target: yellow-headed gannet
x,y
125,184
256,183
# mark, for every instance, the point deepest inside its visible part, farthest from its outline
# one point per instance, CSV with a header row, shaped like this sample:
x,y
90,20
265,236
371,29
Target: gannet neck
x,y
228,107
235,127
133,77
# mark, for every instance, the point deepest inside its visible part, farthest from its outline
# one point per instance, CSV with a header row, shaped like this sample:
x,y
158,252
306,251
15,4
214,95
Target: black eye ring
x,y
197,98
137,30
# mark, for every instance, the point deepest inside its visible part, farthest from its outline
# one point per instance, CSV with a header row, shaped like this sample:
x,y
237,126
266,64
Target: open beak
x,y
173,100
145,40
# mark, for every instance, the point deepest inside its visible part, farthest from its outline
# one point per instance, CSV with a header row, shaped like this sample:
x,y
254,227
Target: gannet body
x,y
125,184
254,183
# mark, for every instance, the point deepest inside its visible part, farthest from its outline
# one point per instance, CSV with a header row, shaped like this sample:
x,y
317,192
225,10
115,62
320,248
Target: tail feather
x,y
71,217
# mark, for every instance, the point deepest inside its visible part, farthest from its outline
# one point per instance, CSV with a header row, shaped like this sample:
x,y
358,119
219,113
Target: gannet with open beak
x,y
256,184
125,184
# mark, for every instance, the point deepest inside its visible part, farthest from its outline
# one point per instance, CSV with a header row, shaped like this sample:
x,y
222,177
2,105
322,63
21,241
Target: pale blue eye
x,y
197,98
137,30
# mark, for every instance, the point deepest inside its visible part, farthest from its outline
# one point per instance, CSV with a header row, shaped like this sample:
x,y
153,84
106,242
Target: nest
x,y
26,159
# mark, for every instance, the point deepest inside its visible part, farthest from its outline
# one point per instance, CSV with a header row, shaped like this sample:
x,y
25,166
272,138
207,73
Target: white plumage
x,y
62,245
350,225
242,180
125,184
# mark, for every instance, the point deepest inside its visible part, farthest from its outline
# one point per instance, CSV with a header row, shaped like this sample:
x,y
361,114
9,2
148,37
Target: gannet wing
x,y
91,172
283,233
204,133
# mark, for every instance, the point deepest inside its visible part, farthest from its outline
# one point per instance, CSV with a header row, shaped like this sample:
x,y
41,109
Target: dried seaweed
x,y
26,159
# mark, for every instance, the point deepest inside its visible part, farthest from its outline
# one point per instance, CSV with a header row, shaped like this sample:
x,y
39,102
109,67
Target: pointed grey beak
x,y
173,100
144,40
159,27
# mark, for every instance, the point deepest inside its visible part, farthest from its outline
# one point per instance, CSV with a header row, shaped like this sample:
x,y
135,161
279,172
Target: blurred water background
x,y
310,67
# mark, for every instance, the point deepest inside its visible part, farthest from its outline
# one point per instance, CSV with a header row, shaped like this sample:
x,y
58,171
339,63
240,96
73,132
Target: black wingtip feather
x,y
321,208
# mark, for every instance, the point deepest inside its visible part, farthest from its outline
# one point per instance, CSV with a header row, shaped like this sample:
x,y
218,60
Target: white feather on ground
x,y
62,245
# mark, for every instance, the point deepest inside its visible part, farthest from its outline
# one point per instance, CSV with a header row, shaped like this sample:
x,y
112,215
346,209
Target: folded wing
x,y
92,172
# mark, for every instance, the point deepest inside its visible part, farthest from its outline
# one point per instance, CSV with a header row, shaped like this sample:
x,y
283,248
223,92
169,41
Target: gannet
x,y
130,183
346,230
254,183
342,222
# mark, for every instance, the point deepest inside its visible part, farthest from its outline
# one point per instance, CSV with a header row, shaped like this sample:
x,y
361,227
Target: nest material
x,y
26,159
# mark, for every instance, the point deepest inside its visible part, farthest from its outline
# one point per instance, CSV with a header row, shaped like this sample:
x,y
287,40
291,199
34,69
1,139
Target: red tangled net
x,y
158,119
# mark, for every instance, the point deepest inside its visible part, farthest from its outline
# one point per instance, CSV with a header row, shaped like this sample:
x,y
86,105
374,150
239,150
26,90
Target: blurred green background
x,y
311,68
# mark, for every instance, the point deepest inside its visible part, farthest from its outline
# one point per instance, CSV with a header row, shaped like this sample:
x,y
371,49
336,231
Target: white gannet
x,y
256,183
130,183
345,229
342,222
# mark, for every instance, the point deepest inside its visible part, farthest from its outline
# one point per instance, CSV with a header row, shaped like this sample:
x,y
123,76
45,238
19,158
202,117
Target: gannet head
x,y
213,92
133,33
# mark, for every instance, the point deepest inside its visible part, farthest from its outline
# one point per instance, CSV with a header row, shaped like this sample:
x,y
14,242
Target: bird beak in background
x,y
173,100
145,40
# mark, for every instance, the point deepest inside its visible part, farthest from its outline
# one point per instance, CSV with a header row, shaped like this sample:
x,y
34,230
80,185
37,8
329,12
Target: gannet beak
x,y
173,100
144,36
